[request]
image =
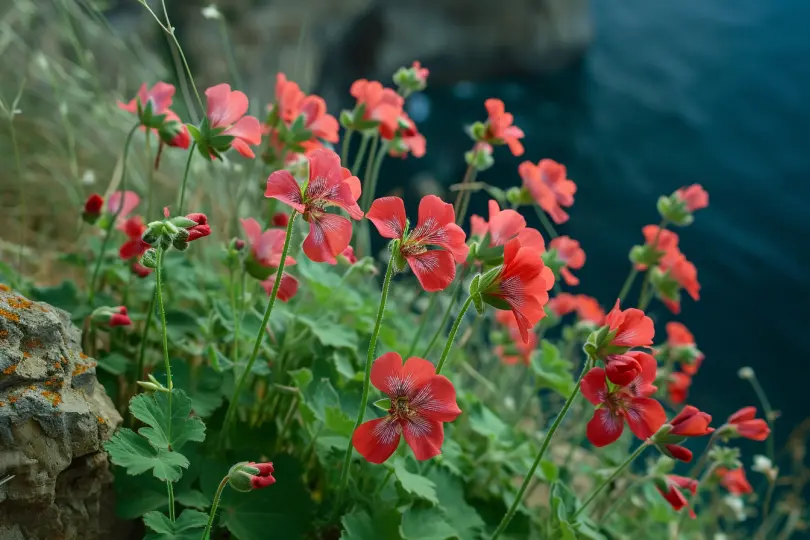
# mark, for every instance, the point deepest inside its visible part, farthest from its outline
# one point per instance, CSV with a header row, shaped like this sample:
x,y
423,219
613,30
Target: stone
x,y
54,420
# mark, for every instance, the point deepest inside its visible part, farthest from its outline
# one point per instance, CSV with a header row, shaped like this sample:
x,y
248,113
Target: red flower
x,y
673,493
623,369
667,240
682,271
420,72
563,304
522,349
734,481
521,286
119,318
382,105
160,96
682,344
435,269
408,140
678,386
328,184
280,219
588,309
630,403
630,328
265,256
571,254
348,255
745,424
678,335
691,422
500,129
548,185
292,102
133,227
122,203
201,228
94,204
694,196
174,132
503,225
226,115
420,402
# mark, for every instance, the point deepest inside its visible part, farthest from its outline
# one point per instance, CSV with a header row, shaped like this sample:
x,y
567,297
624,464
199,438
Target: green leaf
x,y
283,510
64,296
383,525
338,421
153,410
204,387
114,363
301,378
330,334
458,513
485,422
551,472
343,365
415,484
552,370
188,526
129,450
321,396
425,524
193,498
137,495
181,323
384,404
219,362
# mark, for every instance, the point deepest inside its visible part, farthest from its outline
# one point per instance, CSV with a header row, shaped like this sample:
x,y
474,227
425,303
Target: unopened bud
x,y
247,476
745,373
149,258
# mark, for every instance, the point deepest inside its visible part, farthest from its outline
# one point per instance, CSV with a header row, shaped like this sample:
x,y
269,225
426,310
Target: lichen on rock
x,y
54,420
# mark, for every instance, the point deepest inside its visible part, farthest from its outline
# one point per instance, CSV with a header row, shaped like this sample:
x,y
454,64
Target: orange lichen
x,y
81,368
53,397
19,302
26,355
12,400
3,334
2,403
4,287
100,420
32,387
10,369
6,314
83,356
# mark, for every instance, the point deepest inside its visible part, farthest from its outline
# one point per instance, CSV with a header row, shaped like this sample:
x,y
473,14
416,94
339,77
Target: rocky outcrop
x,y
326,44
54,419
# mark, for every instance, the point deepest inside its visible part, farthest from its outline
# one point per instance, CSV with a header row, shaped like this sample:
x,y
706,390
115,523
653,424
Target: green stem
x,y
369,172
285,425
358,159
645,296
461,198
766,505
165,332
260,335
347,459
545,222
423,322
452,337
229,58
382,485
769,416
620,499
375,174
643,446
214,507
185,179
23,189
236,318
705,455
446,317
628,283
528,479
170,491
150,175
147,324
111,224
344,150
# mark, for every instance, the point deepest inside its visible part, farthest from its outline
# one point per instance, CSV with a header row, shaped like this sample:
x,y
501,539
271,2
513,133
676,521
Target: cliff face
x,y
326,44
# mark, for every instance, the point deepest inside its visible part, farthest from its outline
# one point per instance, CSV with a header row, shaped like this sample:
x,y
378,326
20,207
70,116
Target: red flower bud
x,y
676,451
239,244
745,424
280,219
621,369
119,318
201,229
691,422
265,476
94,204
246,476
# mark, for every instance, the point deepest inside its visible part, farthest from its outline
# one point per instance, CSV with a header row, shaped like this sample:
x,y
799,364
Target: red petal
x,y
436,398
621,369
594,387
419,371
568,277
643,386
679,452
386,374
746,413
377,439
329,234
435,269
388,215
436,226
604,428
130,198
532,239
504,225
286,291
645,416
247,128
225,107
424,436
282,186
252,230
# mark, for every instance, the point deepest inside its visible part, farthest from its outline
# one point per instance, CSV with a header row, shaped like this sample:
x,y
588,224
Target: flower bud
x,y
280,219
149,258
238,244
111,316
745,373
673,209
92,208
480,157
247,476
152,233
411,79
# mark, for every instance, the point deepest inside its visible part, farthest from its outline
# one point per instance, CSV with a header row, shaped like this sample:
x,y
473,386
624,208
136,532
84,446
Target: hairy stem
x,y
214,507
452,336
643,446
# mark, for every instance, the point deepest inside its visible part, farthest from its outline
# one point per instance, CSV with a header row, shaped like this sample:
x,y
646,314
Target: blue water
x,y
673,93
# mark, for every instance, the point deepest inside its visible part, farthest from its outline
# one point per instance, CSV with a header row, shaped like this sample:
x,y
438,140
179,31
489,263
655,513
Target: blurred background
x,y
636,98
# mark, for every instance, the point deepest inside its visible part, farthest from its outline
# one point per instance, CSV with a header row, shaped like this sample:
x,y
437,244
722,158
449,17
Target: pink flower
x,y
329,184
500,127
549,186
503,225
571,254
694,196
226,117
119,317
265,257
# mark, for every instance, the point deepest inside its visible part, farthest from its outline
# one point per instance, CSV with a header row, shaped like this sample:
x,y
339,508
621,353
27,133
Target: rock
x,y
54,419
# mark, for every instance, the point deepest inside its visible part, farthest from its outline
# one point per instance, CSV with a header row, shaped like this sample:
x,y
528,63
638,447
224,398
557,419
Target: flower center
x,y
401,409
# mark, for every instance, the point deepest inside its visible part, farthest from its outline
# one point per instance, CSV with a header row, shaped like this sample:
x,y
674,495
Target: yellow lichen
x,y
19,302
6,314
4,287
10,369
83,356
53,397
81,368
